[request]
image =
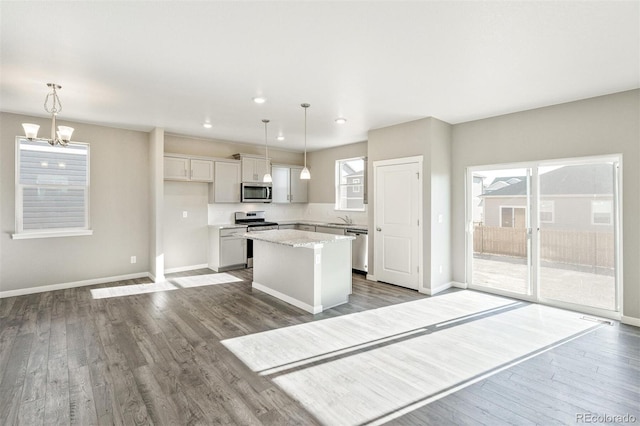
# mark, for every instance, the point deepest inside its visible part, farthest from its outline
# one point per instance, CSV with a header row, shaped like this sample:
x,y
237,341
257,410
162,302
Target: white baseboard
x,y
288,299
63,286
630,321
458,285
371,277
186,268
434,291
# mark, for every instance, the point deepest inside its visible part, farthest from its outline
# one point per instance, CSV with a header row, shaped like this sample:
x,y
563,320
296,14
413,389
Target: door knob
x,y
378,229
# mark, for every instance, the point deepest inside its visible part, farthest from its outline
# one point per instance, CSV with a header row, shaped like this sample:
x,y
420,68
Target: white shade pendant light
x,y
60,137
305,174
267,177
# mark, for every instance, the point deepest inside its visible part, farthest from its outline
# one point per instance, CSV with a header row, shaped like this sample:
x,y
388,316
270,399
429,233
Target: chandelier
x,y
60,137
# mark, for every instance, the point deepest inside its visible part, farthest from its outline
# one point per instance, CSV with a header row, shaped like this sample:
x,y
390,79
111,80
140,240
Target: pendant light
x,y
267,176
305,174
60,137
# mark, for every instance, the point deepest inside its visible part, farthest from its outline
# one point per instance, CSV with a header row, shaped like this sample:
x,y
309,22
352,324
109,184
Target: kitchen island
x,y
309,270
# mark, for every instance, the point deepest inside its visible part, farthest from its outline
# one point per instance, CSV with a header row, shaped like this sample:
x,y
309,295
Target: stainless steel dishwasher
x,y
359,249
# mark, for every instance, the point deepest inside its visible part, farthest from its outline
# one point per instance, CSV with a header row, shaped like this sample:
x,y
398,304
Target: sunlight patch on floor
x,y
412,367
283,348
168,285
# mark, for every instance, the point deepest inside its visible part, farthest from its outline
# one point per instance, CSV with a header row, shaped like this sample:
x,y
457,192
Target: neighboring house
x,y
573,197
477,189
352,183
502,182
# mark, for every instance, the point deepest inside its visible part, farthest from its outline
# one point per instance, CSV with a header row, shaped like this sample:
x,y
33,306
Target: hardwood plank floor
x,y
157,358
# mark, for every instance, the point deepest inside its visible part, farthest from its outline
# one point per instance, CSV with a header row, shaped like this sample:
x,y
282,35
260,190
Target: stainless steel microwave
x,y
255,192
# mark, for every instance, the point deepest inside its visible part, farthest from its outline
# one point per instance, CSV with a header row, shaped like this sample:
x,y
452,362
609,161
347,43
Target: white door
x,y
397,230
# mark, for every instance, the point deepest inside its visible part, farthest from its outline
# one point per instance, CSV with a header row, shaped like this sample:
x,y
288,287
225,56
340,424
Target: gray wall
x,y
430,138
322,165
119,208
186,240
597,126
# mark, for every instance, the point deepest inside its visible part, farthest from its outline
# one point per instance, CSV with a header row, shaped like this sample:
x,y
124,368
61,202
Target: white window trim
x,y
552,211
54,234
22,234
337,186
594,223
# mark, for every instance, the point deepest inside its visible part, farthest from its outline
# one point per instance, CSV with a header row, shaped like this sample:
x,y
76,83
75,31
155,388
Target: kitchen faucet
x,y
346,219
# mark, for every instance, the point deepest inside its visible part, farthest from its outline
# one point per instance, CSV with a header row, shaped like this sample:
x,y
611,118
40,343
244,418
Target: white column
x,y
156,246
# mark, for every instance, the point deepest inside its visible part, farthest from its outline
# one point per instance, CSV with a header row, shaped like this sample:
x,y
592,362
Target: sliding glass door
x,y
546,231
577,233
501,219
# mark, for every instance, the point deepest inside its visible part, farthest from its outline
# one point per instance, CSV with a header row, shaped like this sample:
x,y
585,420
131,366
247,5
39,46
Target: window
x,y
546,211
512,217
601,212
52,189
350,184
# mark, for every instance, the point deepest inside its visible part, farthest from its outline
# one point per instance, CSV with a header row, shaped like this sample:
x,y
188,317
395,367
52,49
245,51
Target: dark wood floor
x,y
66,358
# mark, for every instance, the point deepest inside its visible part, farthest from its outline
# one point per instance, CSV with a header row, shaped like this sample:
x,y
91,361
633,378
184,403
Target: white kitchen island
x,y
309,270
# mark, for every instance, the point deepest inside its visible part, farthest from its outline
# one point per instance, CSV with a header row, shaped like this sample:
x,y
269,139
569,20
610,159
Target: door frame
x,y
534,269
376,261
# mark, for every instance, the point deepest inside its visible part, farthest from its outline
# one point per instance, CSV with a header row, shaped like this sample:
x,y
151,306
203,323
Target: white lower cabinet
x,y
227,248
286,226
329,230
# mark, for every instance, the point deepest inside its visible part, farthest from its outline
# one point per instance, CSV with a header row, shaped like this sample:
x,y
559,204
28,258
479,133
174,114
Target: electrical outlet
x,y
185,214
133,259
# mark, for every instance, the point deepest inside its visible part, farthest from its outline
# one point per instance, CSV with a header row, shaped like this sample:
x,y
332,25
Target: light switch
x,y
185,214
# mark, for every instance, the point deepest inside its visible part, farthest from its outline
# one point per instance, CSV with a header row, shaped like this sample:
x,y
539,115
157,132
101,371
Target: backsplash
x,y
318,212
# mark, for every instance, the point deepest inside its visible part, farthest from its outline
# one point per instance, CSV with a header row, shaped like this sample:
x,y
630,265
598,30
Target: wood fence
x,y
564,246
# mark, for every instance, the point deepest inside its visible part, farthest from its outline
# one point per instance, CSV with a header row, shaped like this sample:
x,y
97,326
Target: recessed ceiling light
x,y
341,120
207,125
259,100
280,138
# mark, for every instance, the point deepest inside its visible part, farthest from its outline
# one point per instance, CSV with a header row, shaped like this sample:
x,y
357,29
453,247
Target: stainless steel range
x,y
255,221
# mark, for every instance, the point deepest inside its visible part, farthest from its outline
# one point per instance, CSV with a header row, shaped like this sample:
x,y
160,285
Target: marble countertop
x,y
328,225
228,226
295,238
294,222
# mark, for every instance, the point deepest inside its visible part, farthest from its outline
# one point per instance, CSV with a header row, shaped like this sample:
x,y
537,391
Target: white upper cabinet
x,y
253,168
226,186
280,187
287,185
201,170
188,169
175,168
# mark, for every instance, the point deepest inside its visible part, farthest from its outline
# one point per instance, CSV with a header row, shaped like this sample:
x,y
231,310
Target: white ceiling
x,y
175,64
